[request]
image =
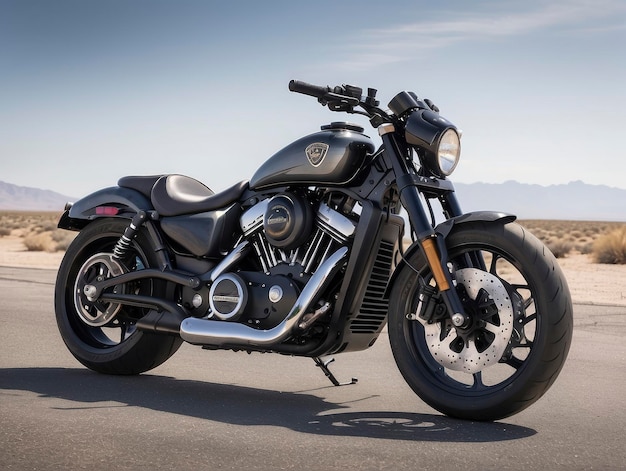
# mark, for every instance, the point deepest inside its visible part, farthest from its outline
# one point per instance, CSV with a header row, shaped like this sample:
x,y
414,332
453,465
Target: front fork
x,y
432,245
437,263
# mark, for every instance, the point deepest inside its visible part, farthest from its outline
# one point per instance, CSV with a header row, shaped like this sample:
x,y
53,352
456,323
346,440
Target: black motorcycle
x,y
309,258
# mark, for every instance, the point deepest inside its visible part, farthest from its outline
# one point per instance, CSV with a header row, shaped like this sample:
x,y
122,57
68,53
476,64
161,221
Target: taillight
x,y
107,210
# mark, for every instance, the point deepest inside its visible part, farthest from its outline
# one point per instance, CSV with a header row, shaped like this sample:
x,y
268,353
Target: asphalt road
x,y
225,410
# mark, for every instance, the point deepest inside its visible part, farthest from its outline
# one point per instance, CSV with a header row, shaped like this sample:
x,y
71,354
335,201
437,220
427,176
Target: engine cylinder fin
x,y
313,251
335,224
332,232
283,256
267,253
273,259
294,256
259,254
308,255
326,252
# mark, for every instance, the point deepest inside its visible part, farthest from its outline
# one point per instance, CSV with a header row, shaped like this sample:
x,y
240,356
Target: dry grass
x,y
605,241
611,248
37,230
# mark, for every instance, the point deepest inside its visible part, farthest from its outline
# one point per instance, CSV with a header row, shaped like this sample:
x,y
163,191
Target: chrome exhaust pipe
x,y
219,333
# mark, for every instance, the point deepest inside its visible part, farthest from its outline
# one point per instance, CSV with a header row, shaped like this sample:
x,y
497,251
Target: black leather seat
x,y
143,184
173,195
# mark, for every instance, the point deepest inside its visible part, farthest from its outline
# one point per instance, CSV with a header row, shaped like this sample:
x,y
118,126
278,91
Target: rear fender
x,y
127,201
444,229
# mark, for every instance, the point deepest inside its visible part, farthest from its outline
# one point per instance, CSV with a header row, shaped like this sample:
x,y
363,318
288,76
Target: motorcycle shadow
x,y
240,405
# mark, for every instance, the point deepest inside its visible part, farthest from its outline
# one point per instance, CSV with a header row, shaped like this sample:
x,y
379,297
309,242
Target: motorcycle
x,y
308,258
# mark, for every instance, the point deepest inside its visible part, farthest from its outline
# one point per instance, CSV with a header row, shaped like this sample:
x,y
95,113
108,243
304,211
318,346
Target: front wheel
x,y
520,331
103,336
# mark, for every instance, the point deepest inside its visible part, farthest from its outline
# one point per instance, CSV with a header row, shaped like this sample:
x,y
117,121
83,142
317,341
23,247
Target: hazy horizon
x,y
573,182
575,201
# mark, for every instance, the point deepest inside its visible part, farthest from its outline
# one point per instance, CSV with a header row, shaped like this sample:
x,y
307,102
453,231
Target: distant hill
x,y
23,198
573,201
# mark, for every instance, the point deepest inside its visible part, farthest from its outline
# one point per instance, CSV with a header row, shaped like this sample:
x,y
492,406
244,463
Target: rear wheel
x,y
519,336
103,336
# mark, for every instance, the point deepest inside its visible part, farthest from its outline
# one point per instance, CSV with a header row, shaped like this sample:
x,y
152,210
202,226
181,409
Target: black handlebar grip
x,y
308,89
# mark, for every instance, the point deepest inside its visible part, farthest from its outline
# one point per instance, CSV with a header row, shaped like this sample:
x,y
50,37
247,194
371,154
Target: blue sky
x,y
92,90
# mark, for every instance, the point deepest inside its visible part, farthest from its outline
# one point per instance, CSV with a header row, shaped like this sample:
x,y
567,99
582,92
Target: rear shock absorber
x,y
122,247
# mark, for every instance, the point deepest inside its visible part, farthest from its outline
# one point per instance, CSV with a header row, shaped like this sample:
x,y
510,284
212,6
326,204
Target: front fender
x,y
79,214
444,229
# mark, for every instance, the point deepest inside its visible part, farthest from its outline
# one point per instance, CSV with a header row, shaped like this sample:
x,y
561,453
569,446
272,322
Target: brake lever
x,y
352,101
336,102
340,106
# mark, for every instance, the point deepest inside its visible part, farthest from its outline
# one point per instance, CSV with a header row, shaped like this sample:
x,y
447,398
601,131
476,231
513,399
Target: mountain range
x,y
23,198
572,201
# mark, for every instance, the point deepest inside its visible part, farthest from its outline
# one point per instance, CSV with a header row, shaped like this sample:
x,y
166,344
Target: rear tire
x,y
103,336
529,325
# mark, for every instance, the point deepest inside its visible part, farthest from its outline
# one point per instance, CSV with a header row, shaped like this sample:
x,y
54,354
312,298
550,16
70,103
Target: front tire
x,y
103,336
519,337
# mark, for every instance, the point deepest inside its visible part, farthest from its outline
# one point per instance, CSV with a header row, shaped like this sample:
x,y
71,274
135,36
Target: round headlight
x,y
449,151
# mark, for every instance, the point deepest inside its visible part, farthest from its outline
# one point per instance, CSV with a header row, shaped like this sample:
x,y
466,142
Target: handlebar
x,y
339,97
342,98
347,97
308,89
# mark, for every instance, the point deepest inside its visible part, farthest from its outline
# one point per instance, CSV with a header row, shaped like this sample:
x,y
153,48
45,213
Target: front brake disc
x,y
457,350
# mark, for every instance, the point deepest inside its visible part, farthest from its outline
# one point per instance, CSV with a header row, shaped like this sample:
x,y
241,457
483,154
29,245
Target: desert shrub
x,y
46,226
12,224
591,231
576,234
585,248
611,248
560,247
63,239
39,243
5,231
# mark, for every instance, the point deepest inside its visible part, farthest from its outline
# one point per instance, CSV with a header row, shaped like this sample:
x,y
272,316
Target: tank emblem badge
x,y
316,152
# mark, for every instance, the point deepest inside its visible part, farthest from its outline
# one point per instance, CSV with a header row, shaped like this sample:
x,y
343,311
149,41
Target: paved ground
x,y
224,410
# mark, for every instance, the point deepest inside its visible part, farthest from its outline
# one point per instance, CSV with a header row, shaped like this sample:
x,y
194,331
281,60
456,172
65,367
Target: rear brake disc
x,y
99,267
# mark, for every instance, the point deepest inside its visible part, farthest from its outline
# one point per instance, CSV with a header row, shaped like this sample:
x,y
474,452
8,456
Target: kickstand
x,y
324,366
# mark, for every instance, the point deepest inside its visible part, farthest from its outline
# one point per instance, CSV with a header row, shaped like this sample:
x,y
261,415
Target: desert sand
x,y
589,283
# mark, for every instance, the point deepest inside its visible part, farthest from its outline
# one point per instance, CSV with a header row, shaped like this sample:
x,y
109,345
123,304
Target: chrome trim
x,y
239,300
252,219
308,319
386,129
219,333
334,223
310,255
230,259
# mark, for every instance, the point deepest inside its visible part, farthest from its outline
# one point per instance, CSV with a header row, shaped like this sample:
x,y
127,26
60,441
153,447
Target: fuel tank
x,y
330,157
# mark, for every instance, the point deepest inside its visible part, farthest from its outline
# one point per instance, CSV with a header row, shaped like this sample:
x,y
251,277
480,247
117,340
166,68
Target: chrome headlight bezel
x,y
448,151
436,140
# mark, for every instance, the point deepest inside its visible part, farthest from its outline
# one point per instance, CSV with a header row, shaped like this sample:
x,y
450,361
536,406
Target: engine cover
x,y
288,221
255,298
228,297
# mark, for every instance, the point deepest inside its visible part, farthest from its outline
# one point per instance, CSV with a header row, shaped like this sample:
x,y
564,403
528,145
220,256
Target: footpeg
x,y
329,374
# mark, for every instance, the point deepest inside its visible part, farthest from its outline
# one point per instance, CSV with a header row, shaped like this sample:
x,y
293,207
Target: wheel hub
x,y
484,341
97,268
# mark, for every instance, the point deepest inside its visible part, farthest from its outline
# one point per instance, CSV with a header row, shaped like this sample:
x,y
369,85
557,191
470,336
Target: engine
x,y
284,231
290,240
